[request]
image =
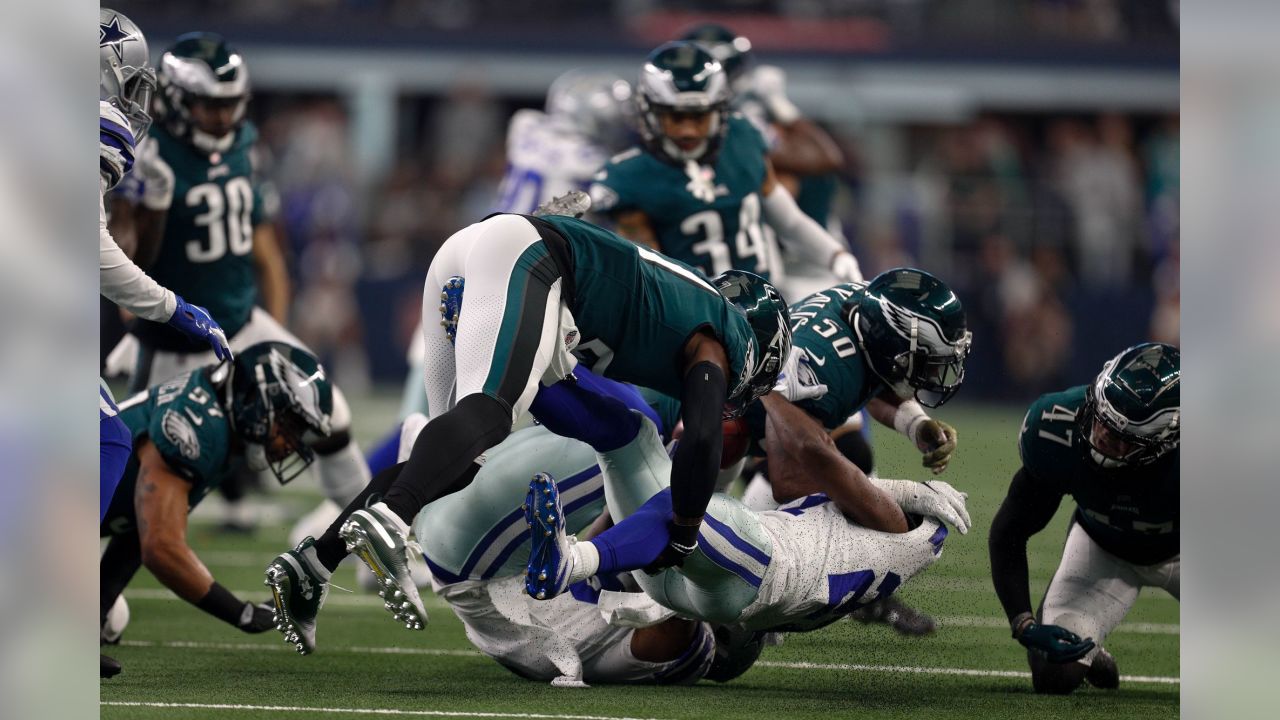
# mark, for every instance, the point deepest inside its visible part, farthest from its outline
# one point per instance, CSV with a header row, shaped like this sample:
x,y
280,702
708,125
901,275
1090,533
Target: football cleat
x,y
108,667
891,611
551,557
297,593
378,538
1103,673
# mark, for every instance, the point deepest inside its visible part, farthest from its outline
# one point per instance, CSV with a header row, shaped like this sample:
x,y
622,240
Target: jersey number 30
x,y
227,224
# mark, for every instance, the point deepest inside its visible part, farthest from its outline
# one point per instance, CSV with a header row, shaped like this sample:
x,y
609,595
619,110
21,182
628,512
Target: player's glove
x,y
1056,644
682,543
115,144
157,178
195,322
934,498
798,381
257,618
938,442
845,267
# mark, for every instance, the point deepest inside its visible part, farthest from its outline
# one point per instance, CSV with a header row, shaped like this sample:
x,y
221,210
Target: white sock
x,y
313,564
389,514
586,561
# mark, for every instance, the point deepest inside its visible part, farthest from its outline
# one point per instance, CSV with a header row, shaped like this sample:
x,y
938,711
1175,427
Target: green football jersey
x,y
819,329
710,220
183,420
207,252
636,309
1130,512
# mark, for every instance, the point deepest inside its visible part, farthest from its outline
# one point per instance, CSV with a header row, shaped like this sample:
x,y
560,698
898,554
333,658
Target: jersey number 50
x,y
227,224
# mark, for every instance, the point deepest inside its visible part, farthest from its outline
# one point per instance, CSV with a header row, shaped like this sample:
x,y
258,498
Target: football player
x,y
843,542
537,289
197,212
703,182
188,434
125,84
1112,446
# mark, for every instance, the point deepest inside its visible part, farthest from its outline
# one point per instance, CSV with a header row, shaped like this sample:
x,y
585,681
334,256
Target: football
x,y
736,441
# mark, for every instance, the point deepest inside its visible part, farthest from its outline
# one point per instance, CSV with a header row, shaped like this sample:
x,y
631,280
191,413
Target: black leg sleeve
x,y
697,458
119,563
444,453
330,549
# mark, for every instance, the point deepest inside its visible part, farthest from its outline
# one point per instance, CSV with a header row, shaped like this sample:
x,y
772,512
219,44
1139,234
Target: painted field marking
x,y
360,711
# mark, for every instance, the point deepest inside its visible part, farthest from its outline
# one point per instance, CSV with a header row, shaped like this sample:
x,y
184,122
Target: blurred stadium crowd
x,y
1058,228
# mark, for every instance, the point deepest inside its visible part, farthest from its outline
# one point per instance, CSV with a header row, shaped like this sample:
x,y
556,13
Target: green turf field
x,y
181,663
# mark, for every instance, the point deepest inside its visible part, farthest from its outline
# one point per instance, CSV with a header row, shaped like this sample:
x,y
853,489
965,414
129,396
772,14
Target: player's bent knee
x,y
1055,678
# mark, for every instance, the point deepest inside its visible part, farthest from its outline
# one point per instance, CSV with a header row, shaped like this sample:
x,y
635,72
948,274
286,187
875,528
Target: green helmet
x,y
682,77
732,50
280,399
201,67
770,321
1131,413
912,330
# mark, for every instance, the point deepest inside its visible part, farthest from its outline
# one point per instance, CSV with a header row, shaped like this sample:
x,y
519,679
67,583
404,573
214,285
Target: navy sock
x,y
384,454
637,541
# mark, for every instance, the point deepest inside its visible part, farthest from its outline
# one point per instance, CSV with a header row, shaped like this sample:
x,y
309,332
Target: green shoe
x,y
298,589
378,538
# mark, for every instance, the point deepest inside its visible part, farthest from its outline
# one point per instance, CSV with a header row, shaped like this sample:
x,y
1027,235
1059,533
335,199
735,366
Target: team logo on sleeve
x,y
178,430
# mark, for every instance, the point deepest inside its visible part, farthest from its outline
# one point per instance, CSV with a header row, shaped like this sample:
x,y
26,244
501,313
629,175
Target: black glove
x,y
1056,644
683,541
257,618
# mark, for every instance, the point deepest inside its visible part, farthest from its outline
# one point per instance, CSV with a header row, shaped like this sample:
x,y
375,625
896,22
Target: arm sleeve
x,y
124,283
803,234
1026,510
697,459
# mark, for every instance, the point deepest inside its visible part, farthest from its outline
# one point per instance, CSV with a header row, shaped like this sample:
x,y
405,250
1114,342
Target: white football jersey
x,y
824,566
546,158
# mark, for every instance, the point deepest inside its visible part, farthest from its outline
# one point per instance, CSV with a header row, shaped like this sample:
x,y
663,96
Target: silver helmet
x,y
126,79
597,104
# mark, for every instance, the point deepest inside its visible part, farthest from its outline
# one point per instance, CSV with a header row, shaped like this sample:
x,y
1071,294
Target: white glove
x,y
845,267
770,84
798,381
156,175
934,498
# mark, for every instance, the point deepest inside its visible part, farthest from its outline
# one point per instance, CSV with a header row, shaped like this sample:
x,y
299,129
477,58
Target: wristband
x,y
1020,623
908,418
220,603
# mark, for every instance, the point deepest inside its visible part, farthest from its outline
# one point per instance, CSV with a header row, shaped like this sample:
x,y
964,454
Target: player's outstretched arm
x,y
798,448
1026,510
803,233
803,148
273,275
936,439
160,503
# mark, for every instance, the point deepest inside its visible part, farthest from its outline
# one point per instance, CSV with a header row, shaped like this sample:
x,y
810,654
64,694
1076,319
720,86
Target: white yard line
x,y
255,647
361,711
360,599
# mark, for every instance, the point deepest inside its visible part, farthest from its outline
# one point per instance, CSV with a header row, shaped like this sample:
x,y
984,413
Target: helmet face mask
x,y
125,77
770,321
1131,415
679,82
912,329
204,91
280,400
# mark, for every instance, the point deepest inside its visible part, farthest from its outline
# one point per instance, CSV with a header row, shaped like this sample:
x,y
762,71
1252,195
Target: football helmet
x,y
912,330
280,398
770,321
682,77
732,50
125,77
1131,413
202,68
596,104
